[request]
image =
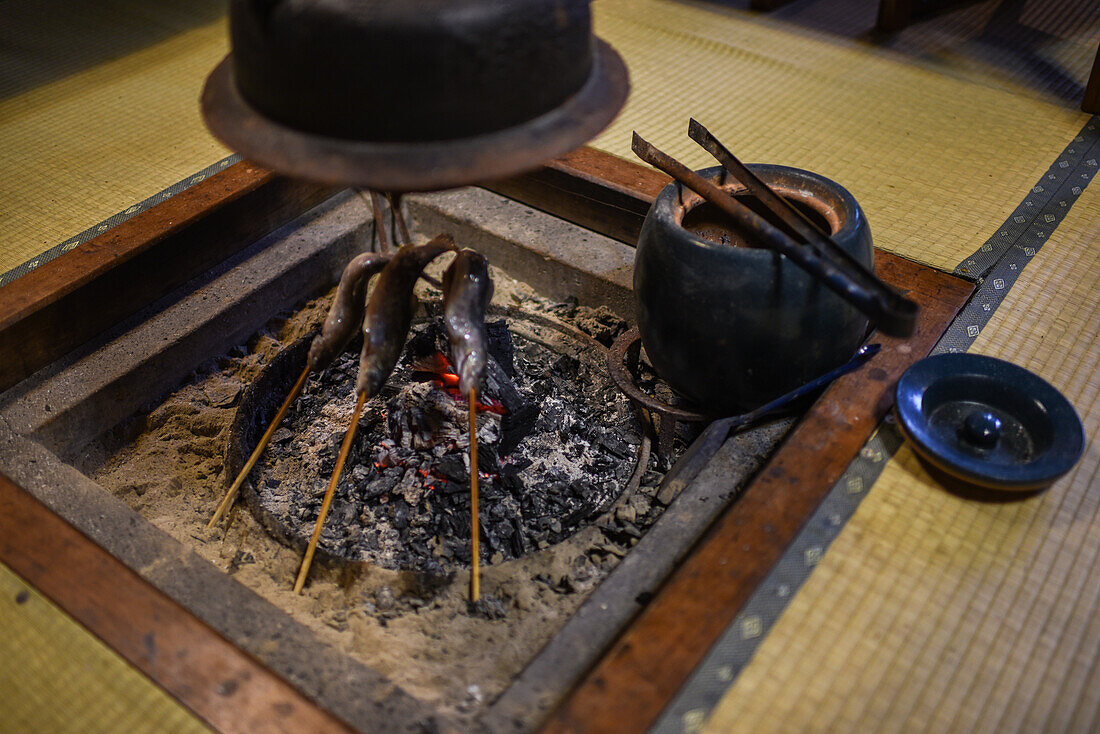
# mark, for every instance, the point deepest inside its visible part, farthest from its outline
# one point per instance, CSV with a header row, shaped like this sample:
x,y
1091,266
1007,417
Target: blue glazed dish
x,y
988,422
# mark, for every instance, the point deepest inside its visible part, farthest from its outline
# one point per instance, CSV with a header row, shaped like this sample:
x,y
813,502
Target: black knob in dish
x,y
981,429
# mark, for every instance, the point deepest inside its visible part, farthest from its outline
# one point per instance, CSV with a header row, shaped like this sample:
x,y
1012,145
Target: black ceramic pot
x,y
731,326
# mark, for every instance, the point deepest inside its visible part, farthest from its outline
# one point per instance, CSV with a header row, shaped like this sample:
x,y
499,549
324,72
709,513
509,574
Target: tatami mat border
x,y
1059,189
1048,202
112,221
731,653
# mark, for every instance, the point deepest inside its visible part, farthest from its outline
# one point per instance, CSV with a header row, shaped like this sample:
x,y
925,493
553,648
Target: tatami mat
x,y
1045,46
937,161
98,110
929,612
57,678
933,612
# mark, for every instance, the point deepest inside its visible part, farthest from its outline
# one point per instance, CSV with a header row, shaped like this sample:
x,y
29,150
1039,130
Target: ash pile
x,y
556,446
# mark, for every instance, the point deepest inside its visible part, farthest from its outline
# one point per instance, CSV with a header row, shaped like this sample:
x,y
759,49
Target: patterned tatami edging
x,y
115,220
996,266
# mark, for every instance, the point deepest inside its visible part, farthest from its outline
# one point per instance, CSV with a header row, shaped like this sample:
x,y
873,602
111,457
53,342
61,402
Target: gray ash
x,y
554,458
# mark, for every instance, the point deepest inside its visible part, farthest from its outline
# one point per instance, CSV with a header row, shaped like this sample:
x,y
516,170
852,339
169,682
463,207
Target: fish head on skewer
x,y
467,290
346,312
390,311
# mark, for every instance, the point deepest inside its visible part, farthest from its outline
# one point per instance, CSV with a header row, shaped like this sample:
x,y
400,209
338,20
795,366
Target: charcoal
x,y
400,514
501,347
501,386
489,607
516,545
487,460
515,427
384,483
404,499
429,339
574,518
452,488
452,467
565,367
614,444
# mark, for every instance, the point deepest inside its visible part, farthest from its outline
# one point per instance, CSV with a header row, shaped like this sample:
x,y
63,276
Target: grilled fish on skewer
x,y
346,313
389,315
467,290
390,312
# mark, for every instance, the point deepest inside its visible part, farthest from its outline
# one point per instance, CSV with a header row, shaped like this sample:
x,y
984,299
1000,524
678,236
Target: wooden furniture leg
x,y
893,15
1091,102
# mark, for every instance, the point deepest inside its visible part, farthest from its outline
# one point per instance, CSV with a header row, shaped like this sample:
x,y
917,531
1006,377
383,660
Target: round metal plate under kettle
x,y
988,422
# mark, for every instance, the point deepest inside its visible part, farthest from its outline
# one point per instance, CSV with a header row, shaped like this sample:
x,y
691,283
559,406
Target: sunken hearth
x,y
557,445
574,542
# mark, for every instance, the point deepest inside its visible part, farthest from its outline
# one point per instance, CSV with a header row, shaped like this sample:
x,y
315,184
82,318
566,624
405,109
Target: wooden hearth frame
x,y
56,308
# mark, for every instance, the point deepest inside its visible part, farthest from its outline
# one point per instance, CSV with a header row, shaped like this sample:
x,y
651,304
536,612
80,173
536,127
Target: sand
x,y
418,630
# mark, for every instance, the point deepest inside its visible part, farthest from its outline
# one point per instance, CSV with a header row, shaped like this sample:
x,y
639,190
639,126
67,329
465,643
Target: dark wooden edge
x,y
590,188
766,5
894,15
62,304
215,680
647,665
1091,101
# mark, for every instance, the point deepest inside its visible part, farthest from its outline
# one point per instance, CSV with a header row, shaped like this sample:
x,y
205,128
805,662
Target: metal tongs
x,y
713,436
795,236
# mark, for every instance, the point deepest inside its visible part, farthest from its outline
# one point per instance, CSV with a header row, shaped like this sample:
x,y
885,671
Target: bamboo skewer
x,y
345,447
475,567
231,494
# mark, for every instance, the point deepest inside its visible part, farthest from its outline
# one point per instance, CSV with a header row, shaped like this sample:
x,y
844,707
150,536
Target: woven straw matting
x,y
99,109
931,612
56,677
938,162
1046,46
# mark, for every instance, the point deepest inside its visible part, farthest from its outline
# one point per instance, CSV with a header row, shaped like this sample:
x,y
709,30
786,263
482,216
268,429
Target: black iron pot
x,y
730,325
421,69
411,95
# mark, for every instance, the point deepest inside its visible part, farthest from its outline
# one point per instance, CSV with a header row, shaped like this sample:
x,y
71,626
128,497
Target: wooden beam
x,y
62,304
223,686
593,189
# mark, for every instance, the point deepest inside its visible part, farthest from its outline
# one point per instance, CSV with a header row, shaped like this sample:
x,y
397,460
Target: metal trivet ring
x,y
622,362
